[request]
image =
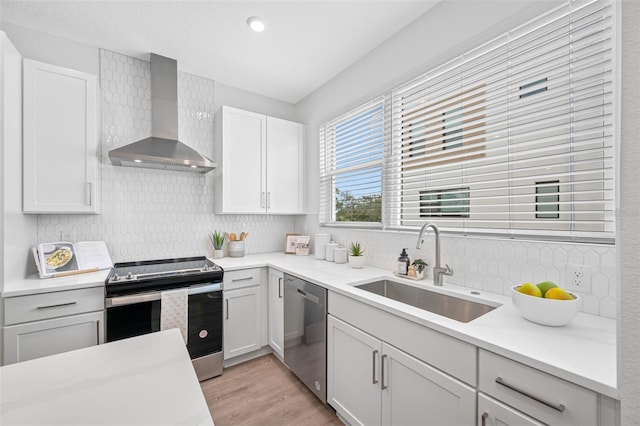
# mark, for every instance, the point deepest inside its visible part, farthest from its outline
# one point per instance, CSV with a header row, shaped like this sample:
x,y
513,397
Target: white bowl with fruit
x,y
545,303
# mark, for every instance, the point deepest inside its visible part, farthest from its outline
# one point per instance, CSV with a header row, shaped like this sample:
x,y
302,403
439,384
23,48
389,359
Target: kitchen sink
x,y
456,308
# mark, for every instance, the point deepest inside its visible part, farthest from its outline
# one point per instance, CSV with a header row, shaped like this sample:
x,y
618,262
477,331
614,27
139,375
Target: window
x,y
515,137
352,154
506,120
547,200
445,203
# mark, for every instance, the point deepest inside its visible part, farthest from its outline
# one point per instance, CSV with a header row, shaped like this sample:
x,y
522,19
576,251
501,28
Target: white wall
x,y
238,98
628,219
53,50
19,230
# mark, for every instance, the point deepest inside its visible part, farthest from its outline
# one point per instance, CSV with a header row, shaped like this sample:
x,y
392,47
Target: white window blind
x,y
514,137
352,151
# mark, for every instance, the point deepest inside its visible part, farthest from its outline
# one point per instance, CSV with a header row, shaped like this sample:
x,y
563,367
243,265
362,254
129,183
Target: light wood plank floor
x,y
264,392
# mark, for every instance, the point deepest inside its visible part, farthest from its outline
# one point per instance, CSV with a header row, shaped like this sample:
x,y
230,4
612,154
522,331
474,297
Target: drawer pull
x,y
59,305
383,386
235,280
558,407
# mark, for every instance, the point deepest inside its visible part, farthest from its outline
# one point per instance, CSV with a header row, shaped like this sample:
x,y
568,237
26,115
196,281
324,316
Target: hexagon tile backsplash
x,y
152,214
490,264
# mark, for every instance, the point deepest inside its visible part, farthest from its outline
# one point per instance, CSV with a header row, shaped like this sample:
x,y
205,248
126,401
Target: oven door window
x,y
132,320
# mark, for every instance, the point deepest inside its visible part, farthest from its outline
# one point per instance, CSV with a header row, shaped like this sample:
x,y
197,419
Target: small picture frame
x,y
291,243
302,246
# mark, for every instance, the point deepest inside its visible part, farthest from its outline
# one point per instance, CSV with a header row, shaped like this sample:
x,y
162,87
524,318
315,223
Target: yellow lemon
x,y
530,289
558,294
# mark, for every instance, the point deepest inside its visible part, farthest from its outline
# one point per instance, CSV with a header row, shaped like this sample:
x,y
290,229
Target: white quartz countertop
x,y
583,352
145,380
35,285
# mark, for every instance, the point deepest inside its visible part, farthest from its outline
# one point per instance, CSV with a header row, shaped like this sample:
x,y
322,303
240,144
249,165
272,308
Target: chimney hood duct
x,y
162,150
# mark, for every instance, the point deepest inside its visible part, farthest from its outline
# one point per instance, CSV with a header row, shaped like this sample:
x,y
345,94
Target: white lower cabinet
x,y
494,413
49,337
371,382
46,324
242,312
535,395
276,312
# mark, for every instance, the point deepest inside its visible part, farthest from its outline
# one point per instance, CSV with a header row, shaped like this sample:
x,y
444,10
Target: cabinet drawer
x,y
241,278
52,305
538,394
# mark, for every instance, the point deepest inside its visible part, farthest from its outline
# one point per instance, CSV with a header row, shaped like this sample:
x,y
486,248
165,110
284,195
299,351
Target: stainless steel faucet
x,y
438,271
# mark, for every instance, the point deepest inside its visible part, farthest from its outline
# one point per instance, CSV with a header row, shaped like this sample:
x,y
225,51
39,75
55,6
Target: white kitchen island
x,y
145,380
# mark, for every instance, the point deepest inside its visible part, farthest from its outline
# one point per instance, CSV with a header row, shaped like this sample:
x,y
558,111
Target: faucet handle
x,y
447,271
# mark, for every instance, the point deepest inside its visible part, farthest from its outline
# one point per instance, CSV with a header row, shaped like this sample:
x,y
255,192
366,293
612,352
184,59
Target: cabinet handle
x,y
280,288
89,189
558,407
268,200
59,305
373,362
227,302
262,200
484,418
235,280
383,386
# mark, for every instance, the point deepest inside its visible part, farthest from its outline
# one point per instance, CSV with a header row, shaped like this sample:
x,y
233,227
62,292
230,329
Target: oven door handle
x,y
156,295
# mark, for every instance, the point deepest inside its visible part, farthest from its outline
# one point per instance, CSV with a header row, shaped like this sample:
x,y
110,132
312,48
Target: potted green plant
x,y
420,267
217,240
356,255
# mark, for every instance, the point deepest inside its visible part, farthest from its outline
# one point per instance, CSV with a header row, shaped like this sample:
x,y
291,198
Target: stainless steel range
x,y
133,304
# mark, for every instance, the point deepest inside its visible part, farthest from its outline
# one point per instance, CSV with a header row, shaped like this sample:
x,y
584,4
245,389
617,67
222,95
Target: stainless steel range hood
x,y
162,150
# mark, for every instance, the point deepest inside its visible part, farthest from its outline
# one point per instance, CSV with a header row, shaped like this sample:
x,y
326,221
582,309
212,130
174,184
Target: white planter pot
x,y
218,254
356,262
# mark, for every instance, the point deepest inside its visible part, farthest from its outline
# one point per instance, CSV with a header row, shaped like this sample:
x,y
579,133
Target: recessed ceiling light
x,y
256,24
137,161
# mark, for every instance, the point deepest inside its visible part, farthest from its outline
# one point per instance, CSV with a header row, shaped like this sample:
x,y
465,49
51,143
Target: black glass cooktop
x,y
133,277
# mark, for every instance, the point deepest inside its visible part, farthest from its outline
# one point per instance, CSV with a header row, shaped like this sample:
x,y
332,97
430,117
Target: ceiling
x,y
305,44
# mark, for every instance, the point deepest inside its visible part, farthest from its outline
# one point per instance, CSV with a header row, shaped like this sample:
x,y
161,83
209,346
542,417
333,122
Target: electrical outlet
x,y
578,278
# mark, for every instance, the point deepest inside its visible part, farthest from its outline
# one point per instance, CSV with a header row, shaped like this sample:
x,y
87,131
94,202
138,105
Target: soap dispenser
x,y
403,262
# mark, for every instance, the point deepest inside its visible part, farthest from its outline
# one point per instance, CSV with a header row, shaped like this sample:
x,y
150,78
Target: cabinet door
x,y
243,175
276,312
353,373
494,413
284,159
242,321
414,393
43,338
60,140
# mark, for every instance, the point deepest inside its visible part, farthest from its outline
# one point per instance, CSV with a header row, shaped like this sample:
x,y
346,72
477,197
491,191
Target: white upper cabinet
x,y
60,162
284,166
259,163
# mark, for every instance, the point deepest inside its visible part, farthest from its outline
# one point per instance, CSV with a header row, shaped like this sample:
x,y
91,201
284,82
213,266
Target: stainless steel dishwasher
x,y
305,333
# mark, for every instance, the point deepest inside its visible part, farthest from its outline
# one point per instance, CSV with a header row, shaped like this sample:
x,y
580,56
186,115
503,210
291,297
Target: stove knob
x,y
116,277
129,276
205,268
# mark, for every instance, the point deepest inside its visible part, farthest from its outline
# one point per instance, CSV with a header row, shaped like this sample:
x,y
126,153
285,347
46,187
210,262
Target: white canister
x,y
236,248
321,241
329,250
340,255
